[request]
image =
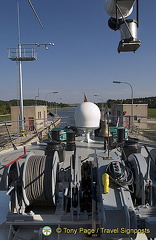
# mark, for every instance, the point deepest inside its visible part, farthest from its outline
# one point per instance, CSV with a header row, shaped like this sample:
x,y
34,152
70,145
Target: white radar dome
x,y
87,116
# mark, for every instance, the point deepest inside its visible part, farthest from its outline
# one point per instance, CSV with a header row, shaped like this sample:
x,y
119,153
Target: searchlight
x,y
119,10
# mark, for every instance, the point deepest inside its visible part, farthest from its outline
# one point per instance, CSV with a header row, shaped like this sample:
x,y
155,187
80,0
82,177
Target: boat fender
x,y
105,182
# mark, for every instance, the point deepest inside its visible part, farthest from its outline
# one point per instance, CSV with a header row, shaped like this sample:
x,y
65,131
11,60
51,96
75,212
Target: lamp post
x,y
56,107
96,95
36,97
48,94
131,100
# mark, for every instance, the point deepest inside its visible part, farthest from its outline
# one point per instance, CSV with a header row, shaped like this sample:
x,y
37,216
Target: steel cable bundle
x,y
38,175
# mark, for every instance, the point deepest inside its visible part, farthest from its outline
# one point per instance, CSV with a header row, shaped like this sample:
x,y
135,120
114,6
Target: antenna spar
x,y
32,7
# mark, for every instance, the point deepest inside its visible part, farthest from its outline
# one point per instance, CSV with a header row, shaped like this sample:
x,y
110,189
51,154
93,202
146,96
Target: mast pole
x,y
21,118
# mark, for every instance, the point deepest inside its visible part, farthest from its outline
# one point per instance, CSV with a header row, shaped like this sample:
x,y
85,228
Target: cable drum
x,y
40,179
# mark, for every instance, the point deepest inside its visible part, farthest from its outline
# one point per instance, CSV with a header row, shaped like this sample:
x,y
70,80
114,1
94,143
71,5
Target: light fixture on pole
x,y
56,107
102,108
36,97
131,100
48,94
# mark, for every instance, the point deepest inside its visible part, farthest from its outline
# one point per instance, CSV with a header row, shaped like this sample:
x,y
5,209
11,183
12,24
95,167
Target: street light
x,y
131,99
48,94
56,107
96,95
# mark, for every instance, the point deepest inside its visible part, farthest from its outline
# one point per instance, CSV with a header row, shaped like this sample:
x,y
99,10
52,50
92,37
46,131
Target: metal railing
x,y
142,126
26,54
10,134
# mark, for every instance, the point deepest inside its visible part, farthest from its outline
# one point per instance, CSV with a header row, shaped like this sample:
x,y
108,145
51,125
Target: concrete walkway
x,y
33,136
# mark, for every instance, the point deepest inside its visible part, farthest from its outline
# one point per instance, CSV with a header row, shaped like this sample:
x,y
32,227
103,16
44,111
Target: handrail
x,y
24,154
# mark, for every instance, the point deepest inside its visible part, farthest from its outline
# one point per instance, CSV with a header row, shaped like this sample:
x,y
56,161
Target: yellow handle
x,y
105,182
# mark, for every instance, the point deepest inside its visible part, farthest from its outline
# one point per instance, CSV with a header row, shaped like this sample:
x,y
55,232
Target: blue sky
x,y
84,58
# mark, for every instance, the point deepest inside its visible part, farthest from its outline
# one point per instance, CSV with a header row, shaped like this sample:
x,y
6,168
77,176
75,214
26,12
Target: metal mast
x,y
21,118
19,54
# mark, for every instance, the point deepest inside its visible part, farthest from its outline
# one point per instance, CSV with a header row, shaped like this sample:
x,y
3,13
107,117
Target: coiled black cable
x,y
123,179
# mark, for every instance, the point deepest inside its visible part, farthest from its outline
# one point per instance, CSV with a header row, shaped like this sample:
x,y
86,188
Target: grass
x,y
151,112
6,117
